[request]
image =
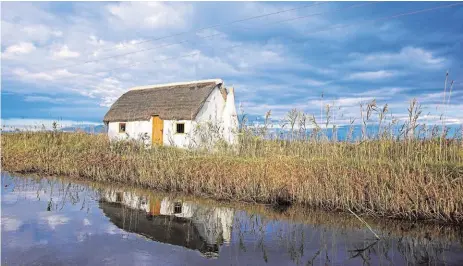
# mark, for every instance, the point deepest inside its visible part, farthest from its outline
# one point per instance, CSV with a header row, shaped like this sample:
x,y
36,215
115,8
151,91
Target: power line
x,y
398,15
202,29
214,26
228,23
304,41
360,23
129,53
209,36
315,14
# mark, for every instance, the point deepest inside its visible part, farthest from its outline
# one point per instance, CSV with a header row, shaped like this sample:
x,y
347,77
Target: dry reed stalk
x,y
388,175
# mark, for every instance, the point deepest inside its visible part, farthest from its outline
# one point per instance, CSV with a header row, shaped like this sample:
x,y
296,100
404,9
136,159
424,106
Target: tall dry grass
x,y
413,173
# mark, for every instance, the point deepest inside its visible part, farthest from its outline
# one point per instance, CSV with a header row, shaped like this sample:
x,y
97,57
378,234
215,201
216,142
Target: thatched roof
x,y
175,101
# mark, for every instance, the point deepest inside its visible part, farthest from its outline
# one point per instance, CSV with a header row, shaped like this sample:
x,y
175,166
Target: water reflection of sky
x,y
60,222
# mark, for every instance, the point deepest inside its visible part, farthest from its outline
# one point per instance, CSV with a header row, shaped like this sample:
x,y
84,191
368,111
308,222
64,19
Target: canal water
x,y
57,221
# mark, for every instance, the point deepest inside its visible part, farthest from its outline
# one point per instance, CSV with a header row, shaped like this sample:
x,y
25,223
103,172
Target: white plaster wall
x,y
129,199
222,113
210,221
213,108
212,111
230,118
133,129
170,138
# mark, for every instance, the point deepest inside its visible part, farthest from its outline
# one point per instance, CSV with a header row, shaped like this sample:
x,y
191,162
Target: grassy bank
x,y
411,179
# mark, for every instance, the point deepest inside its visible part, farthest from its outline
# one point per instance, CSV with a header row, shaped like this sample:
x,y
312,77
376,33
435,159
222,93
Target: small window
x,y
177,207
121,127
180,128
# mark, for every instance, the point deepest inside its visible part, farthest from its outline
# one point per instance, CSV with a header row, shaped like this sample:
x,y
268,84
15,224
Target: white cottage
x,y
174,114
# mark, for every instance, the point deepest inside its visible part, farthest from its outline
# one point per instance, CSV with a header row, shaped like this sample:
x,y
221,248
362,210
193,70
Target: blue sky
x,y
341,49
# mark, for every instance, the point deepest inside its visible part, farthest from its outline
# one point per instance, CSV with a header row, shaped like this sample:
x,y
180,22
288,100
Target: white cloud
x,y
26,32
94,79
38,32
52,75
387,91
65,52
371,75
129,45
108,90
57,33
278,110
315,83
24,74
407,56
265,59
20,48
343,102
151,14
94,40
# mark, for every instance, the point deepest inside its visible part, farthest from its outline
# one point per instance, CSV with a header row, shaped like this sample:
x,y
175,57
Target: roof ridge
x,y
217,81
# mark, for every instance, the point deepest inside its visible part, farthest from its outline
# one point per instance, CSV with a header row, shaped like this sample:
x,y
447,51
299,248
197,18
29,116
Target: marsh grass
x,y
415,172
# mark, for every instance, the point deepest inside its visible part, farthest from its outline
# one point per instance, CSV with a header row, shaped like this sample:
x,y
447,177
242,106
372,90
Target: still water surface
x,y
55,221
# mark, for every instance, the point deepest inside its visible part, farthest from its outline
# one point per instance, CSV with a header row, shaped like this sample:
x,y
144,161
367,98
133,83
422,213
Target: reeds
x,y
413,173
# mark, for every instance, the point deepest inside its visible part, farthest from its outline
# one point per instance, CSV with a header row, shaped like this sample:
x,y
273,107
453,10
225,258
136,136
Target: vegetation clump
x,y
408,171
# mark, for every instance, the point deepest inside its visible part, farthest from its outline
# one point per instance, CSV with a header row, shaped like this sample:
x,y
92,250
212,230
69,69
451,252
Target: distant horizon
x,y
273,128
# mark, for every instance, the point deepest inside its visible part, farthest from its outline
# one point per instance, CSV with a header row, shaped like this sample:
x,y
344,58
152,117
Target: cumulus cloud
x,y
45,76
108,90
65,52
153,15
268,69
18,49
13,32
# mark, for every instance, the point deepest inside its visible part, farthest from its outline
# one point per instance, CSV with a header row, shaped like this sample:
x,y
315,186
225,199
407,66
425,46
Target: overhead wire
x,y
293,41
188,40
220,25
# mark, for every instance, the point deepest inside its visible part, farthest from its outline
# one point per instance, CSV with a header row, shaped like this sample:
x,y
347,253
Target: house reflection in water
x,y
169,221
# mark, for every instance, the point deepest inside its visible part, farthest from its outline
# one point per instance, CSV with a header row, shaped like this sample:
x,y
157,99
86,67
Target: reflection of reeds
x,y
296,230
261,213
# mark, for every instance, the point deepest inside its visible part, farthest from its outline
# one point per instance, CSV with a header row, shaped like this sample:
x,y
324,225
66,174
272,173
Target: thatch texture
x,y
170,102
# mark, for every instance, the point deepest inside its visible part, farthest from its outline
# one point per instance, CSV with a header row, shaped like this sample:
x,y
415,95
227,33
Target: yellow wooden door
x,y
158,127
155,206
